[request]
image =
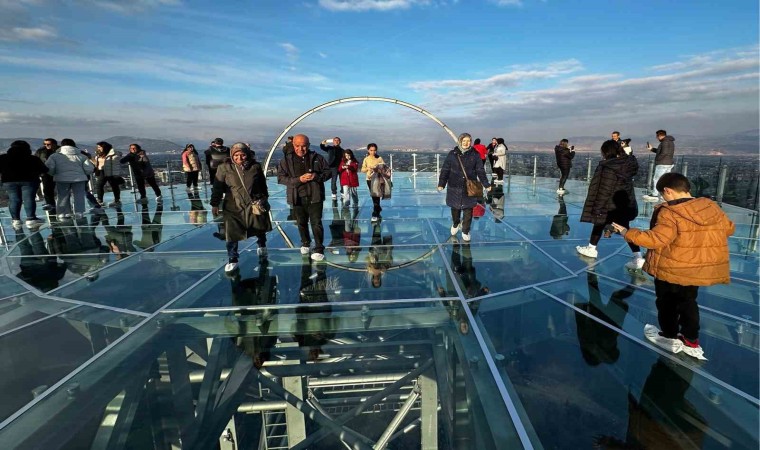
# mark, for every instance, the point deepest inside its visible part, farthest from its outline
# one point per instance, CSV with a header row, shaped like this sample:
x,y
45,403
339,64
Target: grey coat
x,y
453,177
665,151
239,221
69,165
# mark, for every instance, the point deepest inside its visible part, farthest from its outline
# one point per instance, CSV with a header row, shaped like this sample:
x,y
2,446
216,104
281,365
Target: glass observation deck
x,y
123,331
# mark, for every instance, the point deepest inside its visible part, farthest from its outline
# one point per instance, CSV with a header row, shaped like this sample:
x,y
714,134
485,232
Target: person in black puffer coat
x,y
49,146
610,196
20,172
216,155
564,157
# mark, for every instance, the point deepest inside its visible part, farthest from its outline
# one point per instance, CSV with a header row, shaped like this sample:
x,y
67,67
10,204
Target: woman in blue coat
x,y
452,177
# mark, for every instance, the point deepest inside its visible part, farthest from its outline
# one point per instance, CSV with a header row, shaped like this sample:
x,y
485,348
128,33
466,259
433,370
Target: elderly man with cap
x,y
216,154
239,183
304,173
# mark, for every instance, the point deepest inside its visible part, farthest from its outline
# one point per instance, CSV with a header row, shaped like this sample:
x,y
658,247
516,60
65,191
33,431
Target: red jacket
x,y
481,149
348,176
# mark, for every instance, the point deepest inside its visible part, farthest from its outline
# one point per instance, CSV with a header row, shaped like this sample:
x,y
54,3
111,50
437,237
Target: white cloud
x,y
291,51
27,34
210,106
322,55
8,118
507,2
369,5
131,6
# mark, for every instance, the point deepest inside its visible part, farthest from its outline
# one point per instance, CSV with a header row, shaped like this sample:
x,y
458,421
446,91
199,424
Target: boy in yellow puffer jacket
x,y
688,248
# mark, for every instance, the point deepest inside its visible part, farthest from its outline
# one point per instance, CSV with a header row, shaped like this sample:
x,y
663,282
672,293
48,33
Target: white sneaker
x,y
34,222
159,199
317,257
652,333
304,250
334,197
635,264
587,250
374,219
16,224
650,198
466,237
454,230
262,251
561,191
230,266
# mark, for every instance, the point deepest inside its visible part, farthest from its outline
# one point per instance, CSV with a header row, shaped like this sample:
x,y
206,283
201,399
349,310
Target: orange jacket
x,y
687,242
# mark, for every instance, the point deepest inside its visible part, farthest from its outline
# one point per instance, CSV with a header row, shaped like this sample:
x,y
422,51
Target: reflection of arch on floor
x,y
420,258
348,100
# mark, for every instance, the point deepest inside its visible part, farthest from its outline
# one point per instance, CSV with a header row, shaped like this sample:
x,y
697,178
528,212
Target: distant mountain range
x,y
743,143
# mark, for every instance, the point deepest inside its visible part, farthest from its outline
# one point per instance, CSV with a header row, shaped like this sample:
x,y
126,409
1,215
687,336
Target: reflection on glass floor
x,y
122,331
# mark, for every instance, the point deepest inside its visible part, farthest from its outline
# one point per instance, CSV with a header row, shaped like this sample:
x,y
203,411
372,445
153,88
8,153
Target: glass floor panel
x,y
581,384
37,356
144,282
355,368
734,344
366,274
143,341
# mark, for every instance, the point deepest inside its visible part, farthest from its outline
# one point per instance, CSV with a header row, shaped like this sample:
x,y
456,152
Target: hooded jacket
x,y
235,188
610,194
687,242
334,154
19,165
454,180
665,151
69,165
216,156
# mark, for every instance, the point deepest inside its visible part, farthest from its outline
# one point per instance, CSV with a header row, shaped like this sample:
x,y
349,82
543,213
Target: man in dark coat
x,y
304,173
216,154
663,162
142,171
240,181
452,175
564,157
49,146
334,158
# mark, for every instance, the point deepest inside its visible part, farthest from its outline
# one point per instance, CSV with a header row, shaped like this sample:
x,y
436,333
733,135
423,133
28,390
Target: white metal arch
x,y
347,100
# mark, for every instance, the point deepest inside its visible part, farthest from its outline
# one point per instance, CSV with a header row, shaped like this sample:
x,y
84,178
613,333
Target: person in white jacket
x,y
500,163
70,170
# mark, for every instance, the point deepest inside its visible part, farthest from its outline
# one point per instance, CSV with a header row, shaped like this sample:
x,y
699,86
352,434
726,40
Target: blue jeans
x,y
65,190
22,192
659,170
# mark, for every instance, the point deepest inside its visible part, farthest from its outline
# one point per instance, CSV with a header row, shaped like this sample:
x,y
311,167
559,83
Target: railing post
x,y
722,183
131,178
535,167
685,168
169,175
414,164
588,170
650,177
391,156
437,164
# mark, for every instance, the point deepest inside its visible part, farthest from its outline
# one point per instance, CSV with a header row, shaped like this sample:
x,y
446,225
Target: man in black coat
x,y
564,157
49,146
216,154
663,161
334,157
304,173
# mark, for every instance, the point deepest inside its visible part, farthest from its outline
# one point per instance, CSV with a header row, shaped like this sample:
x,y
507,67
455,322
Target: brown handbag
x,y
474,188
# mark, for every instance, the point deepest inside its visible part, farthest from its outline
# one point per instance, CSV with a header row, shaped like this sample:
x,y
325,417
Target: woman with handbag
x,y
241,188
460,173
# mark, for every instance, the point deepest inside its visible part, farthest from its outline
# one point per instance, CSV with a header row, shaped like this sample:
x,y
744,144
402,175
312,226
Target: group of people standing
x,y
63,172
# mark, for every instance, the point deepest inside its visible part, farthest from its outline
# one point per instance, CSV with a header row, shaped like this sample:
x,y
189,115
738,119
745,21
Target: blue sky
x,y
522,69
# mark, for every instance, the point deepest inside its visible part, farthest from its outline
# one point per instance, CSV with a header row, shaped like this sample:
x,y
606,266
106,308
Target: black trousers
x,y
48,189
463,215
100,185
191,179
564,173
334,180
305,213
140,183
212,175
499,173
375,202
677,309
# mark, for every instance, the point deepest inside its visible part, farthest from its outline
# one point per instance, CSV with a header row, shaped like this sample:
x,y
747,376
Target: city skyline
x,y
527,70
